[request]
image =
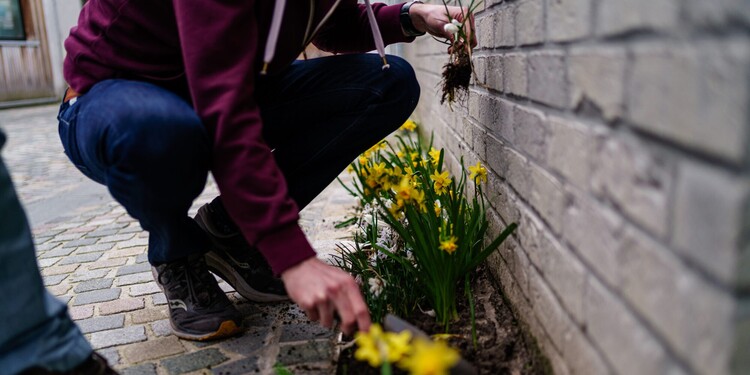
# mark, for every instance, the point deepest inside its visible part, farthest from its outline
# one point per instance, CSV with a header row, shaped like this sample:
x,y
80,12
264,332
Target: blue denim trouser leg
x,y
150,148
35,329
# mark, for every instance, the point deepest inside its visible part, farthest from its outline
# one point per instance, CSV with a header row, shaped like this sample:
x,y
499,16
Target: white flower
x,y
455,22
376,286
450,28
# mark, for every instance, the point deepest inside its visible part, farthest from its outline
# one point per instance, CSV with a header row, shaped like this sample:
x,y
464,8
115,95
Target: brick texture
x,y
616,133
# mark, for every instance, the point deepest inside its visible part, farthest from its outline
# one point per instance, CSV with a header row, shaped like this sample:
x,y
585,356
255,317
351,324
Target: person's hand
x,y
319,289
431,18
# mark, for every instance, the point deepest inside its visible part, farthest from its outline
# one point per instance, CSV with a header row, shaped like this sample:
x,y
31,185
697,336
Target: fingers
x,y
325,310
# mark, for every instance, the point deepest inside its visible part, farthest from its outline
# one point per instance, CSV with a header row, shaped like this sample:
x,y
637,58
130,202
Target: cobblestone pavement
x,y
92,255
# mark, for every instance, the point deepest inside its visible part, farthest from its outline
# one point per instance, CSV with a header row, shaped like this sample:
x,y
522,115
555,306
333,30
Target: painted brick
x,y
617,17
709,205
547,197
505,32
547,82
547,309
571,150
717,13
120,336
597,77
495,72
637,179
529,22
593,231
581,356
530,132
516,74
691,314
568,20
502,123
674,92
485,32
630,347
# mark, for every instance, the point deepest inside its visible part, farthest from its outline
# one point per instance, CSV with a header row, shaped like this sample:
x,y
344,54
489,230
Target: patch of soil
x,y
503,347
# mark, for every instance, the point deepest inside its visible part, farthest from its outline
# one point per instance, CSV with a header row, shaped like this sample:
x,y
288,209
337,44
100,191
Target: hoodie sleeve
x,y
219,40
348,30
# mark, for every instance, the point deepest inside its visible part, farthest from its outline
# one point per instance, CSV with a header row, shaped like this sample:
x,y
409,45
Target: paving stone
x,y
43,263
107,263
101,323
138,250
120,336
121,305
59,252
116,238
95,248
250,341
111,355
159,299
142,258
242,366
47,246
304,332
136,278
194,361
59,270
143,289
148,315
96,296
101,233
81,312
88,275
77,259
133,242
132,229
66,237
81,242
161,327
135,268
59,290
54,280
311,351
143,369
153,349
94,284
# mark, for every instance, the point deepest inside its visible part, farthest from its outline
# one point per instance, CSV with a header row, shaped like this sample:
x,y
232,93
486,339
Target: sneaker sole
x,y
226,271
226,329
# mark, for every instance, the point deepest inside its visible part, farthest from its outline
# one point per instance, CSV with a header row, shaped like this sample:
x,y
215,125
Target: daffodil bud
x,y
455,22
450,28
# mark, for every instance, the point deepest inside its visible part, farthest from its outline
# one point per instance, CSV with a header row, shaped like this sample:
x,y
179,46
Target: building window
x,y
11,20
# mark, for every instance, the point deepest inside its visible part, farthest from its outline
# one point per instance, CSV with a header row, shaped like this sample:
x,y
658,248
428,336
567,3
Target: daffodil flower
x,y
449,245
441,181
478,173
430,358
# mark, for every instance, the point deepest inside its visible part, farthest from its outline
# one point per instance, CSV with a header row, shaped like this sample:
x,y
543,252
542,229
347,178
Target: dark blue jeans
x,y
148,146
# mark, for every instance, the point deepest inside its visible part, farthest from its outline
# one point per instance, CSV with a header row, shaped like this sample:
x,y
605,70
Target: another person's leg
x,y
151,150
36,331
318,115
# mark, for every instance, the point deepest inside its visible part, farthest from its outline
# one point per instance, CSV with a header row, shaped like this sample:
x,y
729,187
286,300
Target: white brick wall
x,y
617,134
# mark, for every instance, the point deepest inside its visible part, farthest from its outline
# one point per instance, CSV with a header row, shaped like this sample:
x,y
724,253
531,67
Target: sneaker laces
x,y
190,275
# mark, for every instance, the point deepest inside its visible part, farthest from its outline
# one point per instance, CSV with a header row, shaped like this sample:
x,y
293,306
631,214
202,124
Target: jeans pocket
x,y
66,129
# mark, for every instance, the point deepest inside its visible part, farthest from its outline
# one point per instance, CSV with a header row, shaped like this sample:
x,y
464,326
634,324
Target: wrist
x,y
412,23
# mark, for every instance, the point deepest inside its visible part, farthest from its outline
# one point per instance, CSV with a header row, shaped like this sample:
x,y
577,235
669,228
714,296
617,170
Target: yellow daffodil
x,y
404,189
377,346
430,358
396,207
409,125
435,156
350,169
441,181
400,154
437,208
478,173
449,245
362,160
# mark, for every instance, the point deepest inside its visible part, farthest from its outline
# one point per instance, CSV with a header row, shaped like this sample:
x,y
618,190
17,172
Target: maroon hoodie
x,y
210,52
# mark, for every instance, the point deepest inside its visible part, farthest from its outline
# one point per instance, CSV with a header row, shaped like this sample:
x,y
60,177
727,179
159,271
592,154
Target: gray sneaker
x,y
232,259
198,308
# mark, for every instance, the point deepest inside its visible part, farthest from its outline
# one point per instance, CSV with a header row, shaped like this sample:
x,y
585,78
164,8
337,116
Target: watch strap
x,y
405,19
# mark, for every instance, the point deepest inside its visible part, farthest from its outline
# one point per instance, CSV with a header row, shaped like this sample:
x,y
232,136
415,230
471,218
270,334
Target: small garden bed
x,y
421,234
503,347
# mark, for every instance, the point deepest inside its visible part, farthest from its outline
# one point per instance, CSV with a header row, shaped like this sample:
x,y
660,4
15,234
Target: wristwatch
x,y
406,23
